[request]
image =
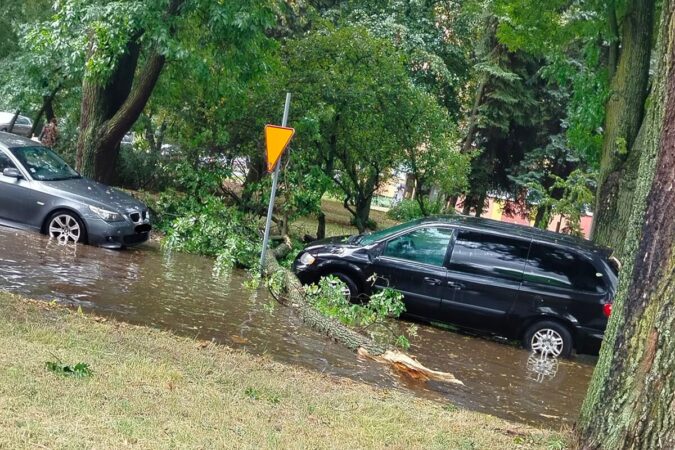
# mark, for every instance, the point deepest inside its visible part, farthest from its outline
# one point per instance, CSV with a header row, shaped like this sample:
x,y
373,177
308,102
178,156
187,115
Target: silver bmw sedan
x,y
39,191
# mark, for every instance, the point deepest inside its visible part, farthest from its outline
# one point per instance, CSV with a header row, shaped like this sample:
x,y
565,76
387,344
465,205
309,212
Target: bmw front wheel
x,y
65,227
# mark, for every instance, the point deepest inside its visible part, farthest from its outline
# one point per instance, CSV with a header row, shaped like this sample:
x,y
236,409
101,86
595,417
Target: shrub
x,y
410,209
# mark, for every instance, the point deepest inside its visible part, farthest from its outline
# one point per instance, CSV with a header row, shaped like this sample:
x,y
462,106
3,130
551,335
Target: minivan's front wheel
x,y
549,338
65,227
349,288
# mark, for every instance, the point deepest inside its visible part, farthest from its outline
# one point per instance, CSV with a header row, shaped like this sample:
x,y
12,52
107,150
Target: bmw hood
x,y
93,193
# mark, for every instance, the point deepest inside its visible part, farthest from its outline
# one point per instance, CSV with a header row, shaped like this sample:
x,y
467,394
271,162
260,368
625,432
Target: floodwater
x,y
181,292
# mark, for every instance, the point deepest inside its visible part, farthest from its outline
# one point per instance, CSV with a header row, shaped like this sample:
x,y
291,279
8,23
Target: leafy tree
x,y
615,39
515,112
431,148
32,71
432,35
124,46
353,91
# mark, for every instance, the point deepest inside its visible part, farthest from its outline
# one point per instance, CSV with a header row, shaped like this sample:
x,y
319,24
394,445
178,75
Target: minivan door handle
x,y
432,281
455,285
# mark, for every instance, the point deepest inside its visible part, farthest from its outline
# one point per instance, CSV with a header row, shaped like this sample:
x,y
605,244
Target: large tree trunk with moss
x,y
631,398
625,110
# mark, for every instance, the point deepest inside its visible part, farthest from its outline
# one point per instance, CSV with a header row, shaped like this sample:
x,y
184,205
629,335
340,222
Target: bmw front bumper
x,y
116,235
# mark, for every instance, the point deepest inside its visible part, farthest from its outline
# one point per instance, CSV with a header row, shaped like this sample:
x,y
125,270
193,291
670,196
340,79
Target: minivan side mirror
x,y
12,172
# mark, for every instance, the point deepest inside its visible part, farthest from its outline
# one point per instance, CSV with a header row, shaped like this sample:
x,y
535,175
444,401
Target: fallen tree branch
x,y
294,297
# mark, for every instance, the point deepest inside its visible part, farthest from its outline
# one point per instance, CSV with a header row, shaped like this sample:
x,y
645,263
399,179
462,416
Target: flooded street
x,y
181,293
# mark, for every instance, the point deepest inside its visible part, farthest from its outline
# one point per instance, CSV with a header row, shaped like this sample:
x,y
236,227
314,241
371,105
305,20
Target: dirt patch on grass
x,y
151,389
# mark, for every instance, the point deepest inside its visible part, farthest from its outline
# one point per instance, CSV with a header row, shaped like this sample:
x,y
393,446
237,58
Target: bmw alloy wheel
x,y
65,228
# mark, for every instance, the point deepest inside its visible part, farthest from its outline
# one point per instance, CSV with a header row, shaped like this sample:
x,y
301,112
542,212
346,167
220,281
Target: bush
x,y
410,209
139,168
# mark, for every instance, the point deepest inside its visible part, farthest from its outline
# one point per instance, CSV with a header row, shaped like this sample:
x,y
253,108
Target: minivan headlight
x,y
307,259
108,216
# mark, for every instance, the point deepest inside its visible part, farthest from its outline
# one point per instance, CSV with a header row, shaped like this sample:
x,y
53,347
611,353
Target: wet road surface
x,y
181,292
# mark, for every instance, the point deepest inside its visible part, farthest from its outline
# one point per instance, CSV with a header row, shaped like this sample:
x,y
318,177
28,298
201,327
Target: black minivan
x,y
552,291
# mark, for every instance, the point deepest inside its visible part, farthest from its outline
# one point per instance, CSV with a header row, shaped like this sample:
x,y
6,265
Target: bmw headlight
x,y
108,216
307,259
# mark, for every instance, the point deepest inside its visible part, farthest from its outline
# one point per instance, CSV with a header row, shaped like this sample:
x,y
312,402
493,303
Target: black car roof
x,y
10,140
522,231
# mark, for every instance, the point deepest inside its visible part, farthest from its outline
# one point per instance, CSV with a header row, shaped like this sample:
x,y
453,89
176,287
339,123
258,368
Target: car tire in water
x,y
549,337
65,227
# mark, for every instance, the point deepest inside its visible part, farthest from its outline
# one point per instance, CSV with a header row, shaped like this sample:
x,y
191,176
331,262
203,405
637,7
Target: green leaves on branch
x,y
328,297
214,229
79,370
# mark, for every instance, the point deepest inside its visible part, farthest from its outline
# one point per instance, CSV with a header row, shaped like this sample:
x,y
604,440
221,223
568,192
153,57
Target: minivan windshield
x,y
367,239
43,164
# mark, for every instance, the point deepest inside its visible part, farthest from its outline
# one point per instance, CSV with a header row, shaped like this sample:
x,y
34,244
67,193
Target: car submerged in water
x,y
551,291
40,192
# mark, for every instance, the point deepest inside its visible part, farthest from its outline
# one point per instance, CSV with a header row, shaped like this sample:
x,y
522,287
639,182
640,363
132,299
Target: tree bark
x,y
10,128
108,112
362,216
631,398
47,109
625,111
321,225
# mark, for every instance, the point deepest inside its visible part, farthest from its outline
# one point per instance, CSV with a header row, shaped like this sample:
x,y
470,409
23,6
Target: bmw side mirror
x,y
12,172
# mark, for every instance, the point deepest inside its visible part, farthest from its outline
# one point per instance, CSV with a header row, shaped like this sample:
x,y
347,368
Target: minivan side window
x,y
424,245
552,266
489,255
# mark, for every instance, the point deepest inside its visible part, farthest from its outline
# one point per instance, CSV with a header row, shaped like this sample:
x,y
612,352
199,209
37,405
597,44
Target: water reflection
x,y
542,367
181,293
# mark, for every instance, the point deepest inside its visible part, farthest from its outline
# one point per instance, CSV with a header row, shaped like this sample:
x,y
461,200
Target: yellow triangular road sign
x,y
277,139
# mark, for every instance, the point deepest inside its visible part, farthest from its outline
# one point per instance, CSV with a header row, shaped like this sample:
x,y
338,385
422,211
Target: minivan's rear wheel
x,y
65,227
549,338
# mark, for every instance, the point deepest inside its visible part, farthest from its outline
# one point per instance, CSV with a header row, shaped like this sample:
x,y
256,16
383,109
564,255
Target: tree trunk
x,y
625,111
10,128
362,216
293,295
47,109
631,398
420,198
321,226
111,107
108,112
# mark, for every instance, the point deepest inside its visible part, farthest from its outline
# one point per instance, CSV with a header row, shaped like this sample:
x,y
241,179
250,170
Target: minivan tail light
x,y
607,309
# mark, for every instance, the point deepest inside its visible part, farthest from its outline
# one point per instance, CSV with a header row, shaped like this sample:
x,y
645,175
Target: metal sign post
x,y
273,194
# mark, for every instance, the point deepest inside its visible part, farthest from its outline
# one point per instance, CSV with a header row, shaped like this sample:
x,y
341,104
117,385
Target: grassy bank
x,y
338,220
150,389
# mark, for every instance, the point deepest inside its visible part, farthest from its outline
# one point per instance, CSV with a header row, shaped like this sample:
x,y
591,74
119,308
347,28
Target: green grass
x,y
151,389
338,220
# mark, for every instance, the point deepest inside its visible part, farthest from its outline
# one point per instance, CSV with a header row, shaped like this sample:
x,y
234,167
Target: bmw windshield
x,y
43,164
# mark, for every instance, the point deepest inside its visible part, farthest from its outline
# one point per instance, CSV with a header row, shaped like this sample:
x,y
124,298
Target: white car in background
x,y
23,125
